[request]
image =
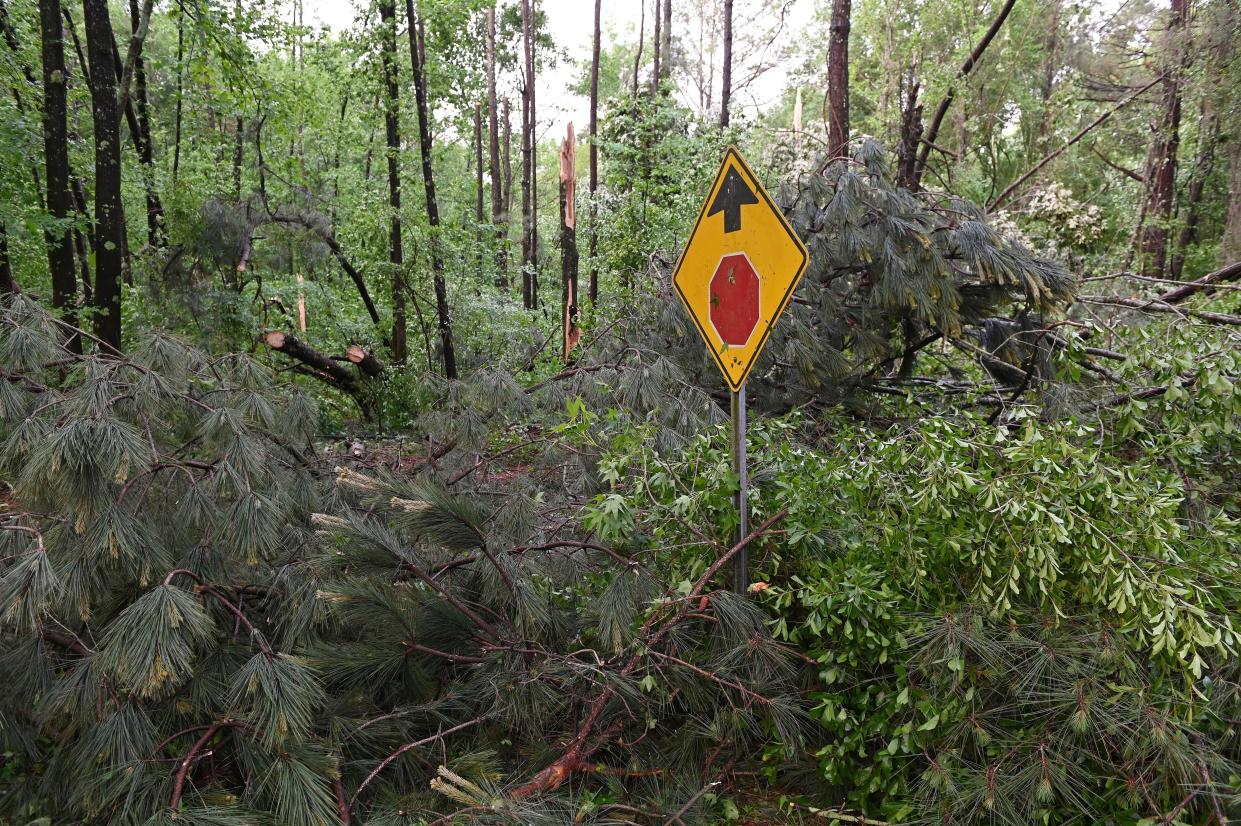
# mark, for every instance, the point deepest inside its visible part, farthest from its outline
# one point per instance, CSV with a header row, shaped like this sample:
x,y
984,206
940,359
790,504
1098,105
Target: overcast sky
x,y
571,23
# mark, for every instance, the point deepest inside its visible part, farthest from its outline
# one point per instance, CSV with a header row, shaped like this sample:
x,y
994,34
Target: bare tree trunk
x,y
56,156
508,164
499,209
568,244
1230,242
657,44
665,64
392,127
529,192
417,47
637,58
594,152
109,215
1047,82
176,150
141,25
968,66
1161,171
8,286
239,154
838,80
1208,124
726,83
479,218
910,135
146,153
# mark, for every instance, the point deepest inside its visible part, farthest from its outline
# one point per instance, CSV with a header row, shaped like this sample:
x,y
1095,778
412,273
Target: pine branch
x,y
387,761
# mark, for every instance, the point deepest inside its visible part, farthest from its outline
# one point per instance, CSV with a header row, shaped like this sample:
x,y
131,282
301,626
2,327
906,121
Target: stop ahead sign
x,y
739,269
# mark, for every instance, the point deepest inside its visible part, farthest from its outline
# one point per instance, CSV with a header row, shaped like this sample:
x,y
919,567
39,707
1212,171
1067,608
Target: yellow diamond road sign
x,y
739,268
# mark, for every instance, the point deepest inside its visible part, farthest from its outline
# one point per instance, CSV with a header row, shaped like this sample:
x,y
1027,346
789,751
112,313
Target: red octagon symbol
x,y
734,299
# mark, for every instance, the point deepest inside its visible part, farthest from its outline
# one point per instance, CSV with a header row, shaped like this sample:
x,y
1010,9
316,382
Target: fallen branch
x,y
1055,153
1158,305
1206,283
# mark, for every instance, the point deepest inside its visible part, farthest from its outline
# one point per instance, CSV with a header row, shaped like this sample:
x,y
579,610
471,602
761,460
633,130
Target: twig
x,y
387,761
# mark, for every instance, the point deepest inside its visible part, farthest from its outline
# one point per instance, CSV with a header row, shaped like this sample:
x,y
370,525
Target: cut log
x,y
367,363
320,365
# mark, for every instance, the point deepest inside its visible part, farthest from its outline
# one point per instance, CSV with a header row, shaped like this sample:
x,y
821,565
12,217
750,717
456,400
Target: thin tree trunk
x,y
417,44
527,165
968,66
146,153
910,135
56,155
392,126
637,58
479,218
534,158
1161,172
508,165
726,83
141,25
838,80
1207,125
109,217
657,46
176,149
499,209
1047,82
1230,242
666,63
8,286
568,244
594,152
239,152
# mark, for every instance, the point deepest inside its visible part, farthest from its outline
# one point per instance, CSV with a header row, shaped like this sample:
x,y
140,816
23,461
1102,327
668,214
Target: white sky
x,y
571,23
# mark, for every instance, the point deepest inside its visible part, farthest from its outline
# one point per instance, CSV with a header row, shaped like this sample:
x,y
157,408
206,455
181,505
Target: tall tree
x,y
418,61
392,126
109,213
568,244
594,155
726,83
146,152
657,43
1166,136
499,210
665,65
479,194
529,185
1208,126
8,285
838,80
56,158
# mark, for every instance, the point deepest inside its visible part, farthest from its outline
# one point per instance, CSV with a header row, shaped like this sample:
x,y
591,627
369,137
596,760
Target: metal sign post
x,y
741,576
735,276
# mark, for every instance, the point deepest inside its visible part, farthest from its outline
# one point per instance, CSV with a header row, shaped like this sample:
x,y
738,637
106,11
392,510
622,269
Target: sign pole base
x,y
741,562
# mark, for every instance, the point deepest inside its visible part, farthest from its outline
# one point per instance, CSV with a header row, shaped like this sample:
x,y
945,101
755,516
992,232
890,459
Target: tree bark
x,y
1208,124
417,46
479,218
392,127
56,157
1230,242
109,215
176,148
968,66
239,154
726,83
594,152
141,25
665,70
499,217
146,152
910,135
657,44
637,58
528,293
508,167
1161,169
8,286
568,243
838,80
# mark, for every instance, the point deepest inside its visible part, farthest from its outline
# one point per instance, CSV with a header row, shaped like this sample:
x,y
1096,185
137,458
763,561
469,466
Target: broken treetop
x,y
739,268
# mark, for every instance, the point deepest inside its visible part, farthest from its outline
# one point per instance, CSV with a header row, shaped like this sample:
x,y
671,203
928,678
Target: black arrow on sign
x,y
733,195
